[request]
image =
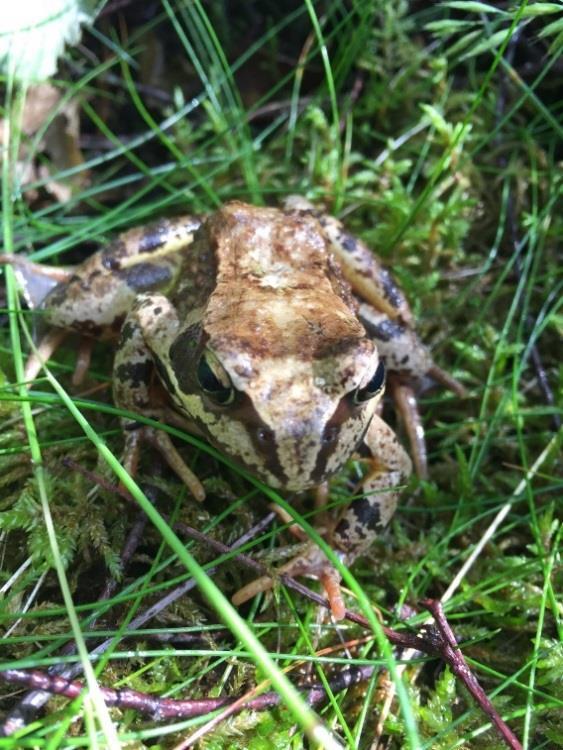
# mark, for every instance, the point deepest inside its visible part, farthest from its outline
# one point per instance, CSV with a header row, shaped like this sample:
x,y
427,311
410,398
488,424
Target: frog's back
x,y
276,281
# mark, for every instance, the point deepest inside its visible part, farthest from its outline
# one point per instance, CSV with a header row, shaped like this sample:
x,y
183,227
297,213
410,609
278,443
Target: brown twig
x,y
169,708
451,653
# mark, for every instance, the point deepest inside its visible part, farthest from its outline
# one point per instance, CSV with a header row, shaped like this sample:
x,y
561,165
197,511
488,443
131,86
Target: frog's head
x,y
292,408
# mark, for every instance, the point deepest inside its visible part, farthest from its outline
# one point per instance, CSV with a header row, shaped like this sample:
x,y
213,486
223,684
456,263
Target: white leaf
x,y
33,34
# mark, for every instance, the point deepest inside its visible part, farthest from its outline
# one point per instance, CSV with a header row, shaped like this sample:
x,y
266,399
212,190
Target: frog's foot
x,y
312,563
136,434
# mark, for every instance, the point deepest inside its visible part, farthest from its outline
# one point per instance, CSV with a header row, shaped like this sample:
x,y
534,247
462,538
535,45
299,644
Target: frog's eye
x,y
373,387
214,380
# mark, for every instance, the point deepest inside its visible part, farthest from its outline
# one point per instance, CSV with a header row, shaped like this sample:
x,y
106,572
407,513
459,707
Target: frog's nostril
x,y
330,435
264,435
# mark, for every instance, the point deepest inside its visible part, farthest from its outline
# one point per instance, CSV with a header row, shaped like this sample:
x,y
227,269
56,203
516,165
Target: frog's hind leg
x,y
94,300
93,297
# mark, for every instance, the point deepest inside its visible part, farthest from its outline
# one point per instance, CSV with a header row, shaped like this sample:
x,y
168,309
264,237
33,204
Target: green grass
x,y
436,134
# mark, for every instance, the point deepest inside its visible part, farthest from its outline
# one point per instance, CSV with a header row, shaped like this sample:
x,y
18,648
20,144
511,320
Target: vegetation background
x,y
434,131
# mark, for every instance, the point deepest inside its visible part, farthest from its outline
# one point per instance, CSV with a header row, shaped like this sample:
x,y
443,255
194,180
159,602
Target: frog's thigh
x,y
369,279
96,297
367,516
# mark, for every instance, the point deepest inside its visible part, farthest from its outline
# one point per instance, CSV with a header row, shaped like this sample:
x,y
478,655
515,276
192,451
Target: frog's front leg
x,y
389,468
133,372
407,360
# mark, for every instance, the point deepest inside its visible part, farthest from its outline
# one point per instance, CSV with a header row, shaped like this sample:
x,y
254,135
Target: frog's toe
x,y
83,359
43,353
252,589
447,380
35,279
136,434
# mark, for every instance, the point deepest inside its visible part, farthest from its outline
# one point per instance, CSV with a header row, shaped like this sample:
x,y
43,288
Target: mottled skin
x,y
268,329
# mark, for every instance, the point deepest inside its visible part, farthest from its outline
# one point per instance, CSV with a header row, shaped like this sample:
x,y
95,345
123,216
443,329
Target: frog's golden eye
x,y
214,380
373,387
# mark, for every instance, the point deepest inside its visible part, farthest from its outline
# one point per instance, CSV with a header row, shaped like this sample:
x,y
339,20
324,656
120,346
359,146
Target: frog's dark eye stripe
x,y
371,389
214,380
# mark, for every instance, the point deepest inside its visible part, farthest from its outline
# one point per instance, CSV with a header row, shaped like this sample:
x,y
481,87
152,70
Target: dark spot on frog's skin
x,y
385,330
134,374
349,243
110,262
164,376
390,289
153,237
127,332
157,310
183,354
362,517
145,277
342,531
366,512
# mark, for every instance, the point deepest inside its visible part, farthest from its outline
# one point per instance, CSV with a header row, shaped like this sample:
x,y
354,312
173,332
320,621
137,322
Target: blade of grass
x,y
93,702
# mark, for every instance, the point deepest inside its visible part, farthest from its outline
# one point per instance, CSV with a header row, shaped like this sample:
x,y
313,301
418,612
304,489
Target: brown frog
x,y
271,331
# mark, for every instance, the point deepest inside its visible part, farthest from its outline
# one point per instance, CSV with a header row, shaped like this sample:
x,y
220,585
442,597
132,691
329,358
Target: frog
x,y
271,332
